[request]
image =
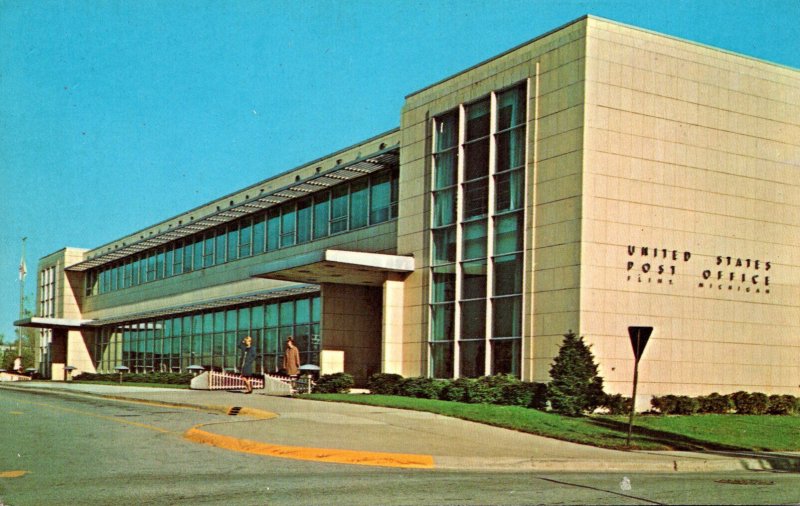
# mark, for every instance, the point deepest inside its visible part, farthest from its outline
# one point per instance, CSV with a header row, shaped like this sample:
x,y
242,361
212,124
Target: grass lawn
x,y
693,433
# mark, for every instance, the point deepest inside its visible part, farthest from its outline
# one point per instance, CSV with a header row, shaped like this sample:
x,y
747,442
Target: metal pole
x,y
635,381
21,297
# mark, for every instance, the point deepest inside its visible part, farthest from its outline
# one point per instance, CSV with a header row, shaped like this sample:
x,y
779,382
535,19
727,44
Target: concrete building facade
x,y
597,177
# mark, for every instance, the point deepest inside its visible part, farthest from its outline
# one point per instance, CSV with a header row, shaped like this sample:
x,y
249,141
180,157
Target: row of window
x,y
477,236
211,338
363,202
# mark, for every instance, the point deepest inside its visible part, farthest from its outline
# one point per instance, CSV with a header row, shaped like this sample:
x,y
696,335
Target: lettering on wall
x,y
660,265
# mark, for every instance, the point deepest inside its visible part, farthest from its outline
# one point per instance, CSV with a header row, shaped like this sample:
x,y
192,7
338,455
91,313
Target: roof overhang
x,y
39,322
337,266
322,181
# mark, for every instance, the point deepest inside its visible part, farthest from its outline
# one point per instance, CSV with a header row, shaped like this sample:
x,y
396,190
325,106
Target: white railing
x,y
231,381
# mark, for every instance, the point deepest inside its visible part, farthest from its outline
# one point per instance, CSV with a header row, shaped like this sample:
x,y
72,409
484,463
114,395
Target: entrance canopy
x,y
39,322
337,266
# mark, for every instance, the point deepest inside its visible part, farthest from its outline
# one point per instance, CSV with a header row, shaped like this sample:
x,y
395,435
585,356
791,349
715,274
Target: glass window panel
x,y
288,225
244,320
509,190
178,265
233,242
442,318
380,194
478,120
198,252
472,358
506,356
258,317
395,195
303,311
507,316
208,250
442,360
160,265
511,108
151,267
508,233
273,229
259,230
339,209
169,262
444,207
245,239
474,240
473,319
272,315
208,323
446,131
230,320
287,312
444,245
321,215
188,253
510,149
114,278
221,246
446,169
476,198
444,283
473,279
477,160
219,321
316,309
359,204
508,274
303,221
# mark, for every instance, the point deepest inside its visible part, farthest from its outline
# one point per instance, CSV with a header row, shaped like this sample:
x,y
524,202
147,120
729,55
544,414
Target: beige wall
x,y
693,152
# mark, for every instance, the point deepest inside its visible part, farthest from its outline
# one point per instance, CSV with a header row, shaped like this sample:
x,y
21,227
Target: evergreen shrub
x,y
715,403
384,383
421,387
617,404
782,405
337,383
755,403
575,386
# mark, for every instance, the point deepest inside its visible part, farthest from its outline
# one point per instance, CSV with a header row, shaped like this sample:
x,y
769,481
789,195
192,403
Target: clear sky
x,y
117,114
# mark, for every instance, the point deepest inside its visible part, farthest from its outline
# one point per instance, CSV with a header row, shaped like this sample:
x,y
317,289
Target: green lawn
x,y
696,432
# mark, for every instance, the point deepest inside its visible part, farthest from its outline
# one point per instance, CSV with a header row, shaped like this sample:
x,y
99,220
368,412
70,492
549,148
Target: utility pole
x,y
22,272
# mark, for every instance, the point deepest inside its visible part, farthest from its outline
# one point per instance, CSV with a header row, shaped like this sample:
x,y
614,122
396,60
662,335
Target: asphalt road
x,y
57,449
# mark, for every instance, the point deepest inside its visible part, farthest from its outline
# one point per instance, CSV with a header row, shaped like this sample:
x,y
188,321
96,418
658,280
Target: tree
x,y
29,338
575,386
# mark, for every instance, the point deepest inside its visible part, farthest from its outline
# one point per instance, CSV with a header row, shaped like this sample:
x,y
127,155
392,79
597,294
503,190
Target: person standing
x,y
18,364
248,358
291,358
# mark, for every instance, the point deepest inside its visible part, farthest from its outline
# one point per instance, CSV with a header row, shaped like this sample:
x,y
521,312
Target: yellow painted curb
x,y
329,455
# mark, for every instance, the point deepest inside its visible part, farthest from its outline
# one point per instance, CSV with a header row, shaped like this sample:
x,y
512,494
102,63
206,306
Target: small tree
x,y
575,386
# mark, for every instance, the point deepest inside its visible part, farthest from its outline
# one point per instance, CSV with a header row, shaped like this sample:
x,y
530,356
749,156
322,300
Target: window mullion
x,y
460,170
490,230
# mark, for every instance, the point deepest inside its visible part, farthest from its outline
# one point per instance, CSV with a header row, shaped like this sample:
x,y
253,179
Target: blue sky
x,y
117,114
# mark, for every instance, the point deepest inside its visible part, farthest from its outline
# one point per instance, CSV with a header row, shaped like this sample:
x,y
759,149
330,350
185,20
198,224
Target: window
x,y
359,204
321,214
220,245
259,228
288,225
304,221
245,238
339,209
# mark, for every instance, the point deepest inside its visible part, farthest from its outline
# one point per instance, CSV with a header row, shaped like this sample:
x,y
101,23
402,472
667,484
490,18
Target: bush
x,y
675,404
754,403
782,404
538,395
338,383
575,386
715,403
384,383
617,404
456,390
164,378
420,387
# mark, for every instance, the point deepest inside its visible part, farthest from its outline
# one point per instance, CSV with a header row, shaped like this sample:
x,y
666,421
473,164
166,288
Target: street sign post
x,y
639,337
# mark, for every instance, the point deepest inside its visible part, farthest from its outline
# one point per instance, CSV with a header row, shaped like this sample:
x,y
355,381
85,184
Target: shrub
x,y
755,403
575,386
337,383
715,403
538,395
617,404
456,390
420,387
384,383
165,378
675,404
782,404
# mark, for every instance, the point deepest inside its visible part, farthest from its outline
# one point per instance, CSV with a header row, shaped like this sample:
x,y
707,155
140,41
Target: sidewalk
x,y
368,435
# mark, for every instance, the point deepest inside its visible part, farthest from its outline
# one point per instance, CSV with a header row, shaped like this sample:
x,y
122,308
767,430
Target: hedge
x,y
742,403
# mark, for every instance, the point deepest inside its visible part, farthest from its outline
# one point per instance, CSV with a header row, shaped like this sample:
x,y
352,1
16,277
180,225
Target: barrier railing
x,y
230,381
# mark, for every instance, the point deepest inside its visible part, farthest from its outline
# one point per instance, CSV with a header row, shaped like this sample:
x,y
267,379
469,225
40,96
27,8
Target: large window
x,y
363,202
210,338
477,237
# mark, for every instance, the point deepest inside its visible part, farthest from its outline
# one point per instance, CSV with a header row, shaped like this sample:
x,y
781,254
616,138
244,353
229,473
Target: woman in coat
x,y
248,358
291,358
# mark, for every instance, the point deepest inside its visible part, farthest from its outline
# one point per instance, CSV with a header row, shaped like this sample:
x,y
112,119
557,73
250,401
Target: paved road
x,y
100,451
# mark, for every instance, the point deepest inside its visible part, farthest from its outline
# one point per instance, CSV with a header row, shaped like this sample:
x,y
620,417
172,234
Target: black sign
x,y
639,338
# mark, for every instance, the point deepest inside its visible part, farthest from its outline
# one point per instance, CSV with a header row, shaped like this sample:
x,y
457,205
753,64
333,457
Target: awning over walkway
x,y
336,266
39,322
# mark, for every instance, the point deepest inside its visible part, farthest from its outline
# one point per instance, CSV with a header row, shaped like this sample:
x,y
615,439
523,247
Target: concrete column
x,y
392,345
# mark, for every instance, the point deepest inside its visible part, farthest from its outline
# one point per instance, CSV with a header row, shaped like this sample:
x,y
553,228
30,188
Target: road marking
x,y
12,474
103,417
330,455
